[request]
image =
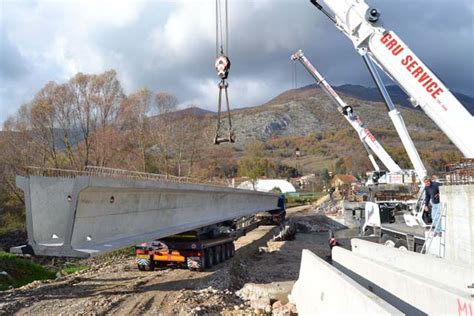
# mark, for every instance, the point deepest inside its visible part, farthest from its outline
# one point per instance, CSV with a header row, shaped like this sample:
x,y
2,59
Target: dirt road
x,y
119,288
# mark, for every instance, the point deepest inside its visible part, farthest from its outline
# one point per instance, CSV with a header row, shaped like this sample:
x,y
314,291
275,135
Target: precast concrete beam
x,y
84,215
323,290
410,293
427,266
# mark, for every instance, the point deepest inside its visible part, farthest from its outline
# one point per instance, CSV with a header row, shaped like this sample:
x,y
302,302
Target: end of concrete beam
x,y
322,289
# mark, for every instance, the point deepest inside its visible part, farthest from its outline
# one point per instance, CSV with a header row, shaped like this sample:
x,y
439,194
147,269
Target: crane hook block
x,y
222,66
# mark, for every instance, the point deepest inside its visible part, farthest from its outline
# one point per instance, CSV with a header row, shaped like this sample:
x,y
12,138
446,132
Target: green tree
x,y
340,166
253,163
276,190
325,178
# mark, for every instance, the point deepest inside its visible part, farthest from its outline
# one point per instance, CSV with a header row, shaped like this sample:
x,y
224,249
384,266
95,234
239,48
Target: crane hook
x,y
222,65
223,84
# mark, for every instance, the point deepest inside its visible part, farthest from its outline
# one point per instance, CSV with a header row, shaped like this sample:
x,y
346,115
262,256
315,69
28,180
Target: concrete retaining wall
x,y
427,266
322,289
408,292
459,200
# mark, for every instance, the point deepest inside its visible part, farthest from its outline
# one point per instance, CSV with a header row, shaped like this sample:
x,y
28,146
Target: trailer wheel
x,y
161,264
218,254
207,258
402,245
227,251
202,264
212,256
224,252
189,265
151,266
388,241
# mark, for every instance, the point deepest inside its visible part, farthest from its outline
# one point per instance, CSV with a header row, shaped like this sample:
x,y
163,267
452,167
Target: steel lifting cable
x,y
222,66
295,75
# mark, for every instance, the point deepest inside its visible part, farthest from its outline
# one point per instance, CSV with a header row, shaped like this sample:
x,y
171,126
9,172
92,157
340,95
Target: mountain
x,y
195,111
191,111
309,110
306,118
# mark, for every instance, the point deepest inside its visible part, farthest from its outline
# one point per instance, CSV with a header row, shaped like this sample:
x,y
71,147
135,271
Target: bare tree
x,y
107,97
135,122
164,106
65,120
81,89
43,124
165,102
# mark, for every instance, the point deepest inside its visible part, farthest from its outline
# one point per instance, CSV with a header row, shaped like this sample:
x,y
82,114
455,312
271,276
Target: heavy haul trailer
x,y
190,249
201,249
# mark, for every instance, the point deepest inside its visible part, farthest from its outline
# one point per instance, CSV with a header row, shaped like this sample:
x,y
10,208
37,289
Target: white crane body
x,y
360,23
364,133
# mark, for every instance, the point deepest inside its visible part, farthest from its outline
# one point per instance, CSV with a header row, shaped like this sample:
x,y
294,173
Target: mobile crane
x,y
377,46
367,138
386,209
361,24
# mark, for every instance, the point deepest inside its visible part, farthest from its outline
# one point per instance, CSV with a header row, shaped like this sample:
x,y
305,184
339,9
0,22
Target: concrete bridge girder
x,y
411,293
321,289
85,215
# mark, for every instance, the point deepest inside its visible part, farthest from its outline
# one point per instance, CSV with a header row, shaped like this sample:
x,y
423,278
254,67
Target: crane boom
x,y
397,121
362,25
364,134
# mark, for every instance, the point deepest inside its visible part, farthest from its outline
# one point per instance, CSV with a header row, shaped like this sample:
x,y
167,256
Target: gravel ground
x,y
118,287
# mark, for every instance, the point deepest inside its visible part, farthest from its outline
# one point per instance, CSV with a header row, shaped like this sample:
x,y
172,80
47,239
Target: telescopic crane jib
x,y
366,137
222,67
377,45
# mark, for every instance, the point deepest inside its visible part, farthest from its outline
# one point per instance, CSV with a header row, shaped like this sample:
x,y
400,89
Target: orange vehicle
x,y
188,249
202,248
198,250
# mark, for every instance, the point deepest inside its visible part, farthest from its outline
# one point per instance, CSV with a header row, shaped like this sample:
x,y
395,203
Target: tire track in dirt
x,y
119,288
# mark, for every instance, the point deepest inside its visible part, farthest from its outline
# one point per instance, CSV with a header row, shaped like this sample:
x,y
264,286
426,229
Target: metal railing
x,y
104,172
458,173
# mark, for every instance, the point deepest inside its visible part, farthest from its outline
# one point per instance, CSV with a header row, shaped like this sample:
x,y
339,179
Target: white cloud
x,y
170,45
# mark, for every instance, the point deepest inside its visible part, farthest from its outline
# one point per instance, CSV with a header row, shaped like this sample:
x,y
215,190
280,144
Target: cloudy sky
x,y
170,45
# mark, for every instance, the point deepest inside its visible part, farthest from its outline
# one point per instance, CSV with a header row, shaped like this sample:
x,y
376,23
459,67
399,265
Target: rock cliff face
x,y
308,111
307,118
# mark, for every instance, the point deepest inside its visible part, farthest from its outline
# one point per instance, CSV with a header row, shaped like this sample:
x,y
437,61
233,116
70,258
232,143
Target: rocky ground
x,y
11,239
256,281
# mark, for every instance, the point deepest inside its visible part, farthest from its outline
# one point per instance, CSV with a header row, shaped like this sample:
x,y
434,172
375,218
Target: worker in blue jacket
x,y
432,199
281,205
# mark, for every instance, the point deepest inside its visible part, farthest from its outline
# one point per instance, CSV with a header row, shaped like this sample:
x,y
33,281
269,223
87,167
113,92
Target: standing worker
x,y
432,197
281,205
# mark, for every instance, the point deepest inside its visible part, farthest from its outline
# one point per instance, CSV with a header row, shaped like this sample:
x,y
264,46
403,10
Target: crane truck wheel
x,y
419,248
141,267
232,249
402,245
388,241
